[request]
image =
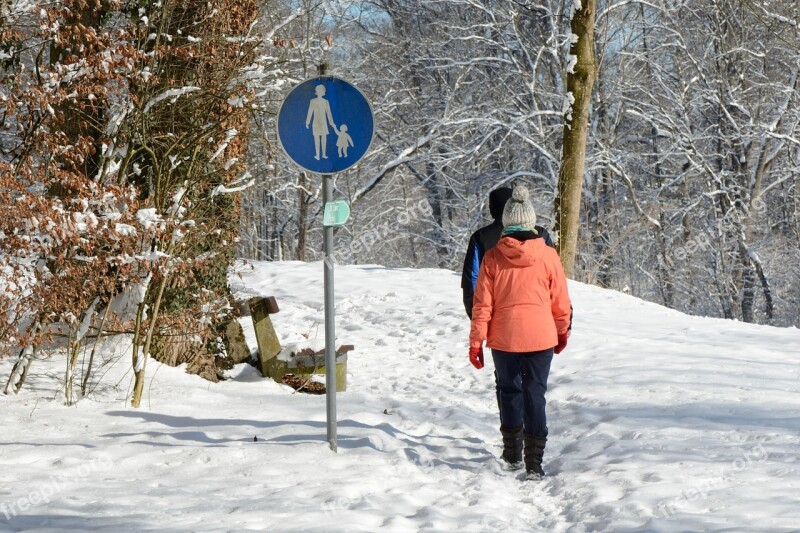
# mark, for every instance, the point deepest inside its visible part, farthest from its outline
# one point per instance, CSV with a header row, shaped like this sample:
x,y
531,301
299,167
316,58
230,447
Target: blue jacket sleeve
x,y
469,274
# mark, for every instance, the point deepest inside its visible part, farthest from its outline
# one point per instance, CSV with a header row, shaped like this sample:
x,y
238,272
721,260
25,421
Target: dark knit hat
x,y
519,209
497,201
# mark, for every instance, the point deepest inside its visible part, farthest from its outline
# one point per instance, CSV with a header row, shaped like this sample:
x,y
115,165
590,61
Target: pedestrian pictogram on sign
x,y
325,125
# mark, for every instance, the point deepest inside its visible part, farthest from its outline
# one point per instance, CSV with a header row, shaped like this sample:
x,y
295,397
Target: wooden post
x,y
268,344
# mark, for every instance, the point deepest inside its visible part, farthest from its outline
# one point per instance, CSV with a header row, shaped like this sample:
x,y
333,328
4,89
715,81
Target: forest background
x,y
690,193
138,153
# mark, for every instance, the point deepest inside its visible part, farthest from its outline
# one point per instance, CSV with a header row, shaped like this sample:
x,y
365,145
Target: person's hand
x,y
476,357
562,343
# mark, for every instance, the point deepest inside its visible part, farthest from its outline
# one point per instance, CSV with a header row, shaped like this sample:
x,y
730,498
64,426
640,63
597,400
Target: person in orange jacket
x,y
522,310
484,239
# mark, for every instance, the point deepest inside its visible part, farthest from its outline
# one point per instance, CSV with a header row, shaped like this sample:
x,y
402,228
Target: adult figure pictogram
x,y
318,117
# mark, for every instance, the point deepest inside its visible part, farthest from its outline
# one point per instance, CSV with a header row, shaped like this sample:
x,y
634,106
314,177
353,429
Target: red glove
x,y
476,357
562,343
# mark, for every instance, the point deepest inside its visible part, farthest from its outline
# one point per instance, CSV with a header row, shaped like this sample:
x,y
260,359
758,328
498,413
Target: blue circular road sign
x,y
325,125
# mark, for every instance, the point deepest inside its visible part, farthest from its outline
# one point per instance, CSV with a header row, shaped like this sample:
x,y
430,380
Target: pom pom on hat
x,y
519,209
520,194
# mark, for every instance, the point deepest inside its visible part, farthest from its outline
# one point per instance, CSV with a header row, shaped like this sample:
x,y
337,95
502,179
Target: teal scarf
x,y
514,229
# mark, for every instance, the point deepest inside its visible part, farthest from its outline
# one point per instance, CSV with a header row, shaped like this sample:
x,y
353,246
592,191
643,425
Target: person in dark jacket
x,y
484,240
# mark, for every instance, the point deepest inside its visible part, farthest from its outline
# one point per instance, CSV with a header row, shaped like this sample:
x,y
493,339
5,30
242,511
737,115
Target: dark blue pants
x,y
521,384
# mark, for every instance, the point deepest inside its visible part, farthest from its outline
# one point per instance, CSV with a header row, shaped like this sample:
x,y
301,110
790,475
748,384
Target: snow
x,y
566,106
658,422
172,94
237,186
148,218
572,60
229,135
125,229
84,221
87,320
125,304
17,8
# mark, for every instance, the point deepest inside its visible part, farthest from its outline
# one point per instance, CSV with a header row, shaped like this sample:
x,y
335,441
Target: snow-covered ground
x,y
658,422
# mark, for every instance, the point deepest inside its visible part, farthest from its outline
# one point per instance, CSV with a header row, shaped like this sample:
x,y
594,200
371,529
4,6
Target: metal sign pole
x,y
330,319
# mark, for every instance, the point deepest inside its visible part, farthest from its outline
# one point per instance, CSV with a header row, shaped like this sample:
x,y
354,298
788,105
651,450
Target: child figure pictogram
x,y
343,140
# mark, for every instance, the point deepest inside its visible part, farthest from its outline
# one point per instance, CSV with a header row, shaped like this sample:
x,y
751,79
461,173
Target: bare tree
x,y
582,72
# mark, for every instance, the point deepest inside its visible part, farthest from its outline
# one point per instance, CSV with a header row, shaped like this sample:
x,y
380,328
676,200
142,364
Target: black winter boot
x,y
534,452
512,446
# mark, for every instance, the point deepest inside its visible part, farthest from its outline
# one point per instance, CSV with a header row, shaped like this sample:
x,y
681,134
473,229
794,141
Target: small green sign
x,y
336,213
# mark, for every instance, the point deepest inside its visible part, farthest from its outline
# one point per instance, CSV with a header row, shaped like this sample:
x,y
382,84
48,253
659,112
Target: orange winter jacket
x,y
521,301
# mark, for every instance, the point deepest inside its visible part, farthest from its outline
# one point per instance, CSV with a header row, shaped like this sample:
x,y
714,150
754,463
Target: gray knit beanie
x,y
519,210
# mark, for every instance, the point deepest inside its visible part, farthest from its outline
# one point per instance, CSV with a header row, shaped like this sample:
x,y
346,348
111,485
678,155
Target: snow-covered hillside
x,y
658,422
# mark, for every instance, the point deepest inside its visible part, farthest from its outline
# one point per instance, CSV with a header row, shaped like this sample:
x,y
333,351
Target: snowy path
x,y
658,421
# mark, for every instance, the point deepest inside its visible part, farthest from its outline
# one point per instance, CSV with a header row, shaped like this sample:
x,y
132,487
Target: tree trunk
x,y
31,355
88,372
435,199
15,369
74,345
769,306
573,156
598,211
23,364
302,217
139,366
748,289
796,214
